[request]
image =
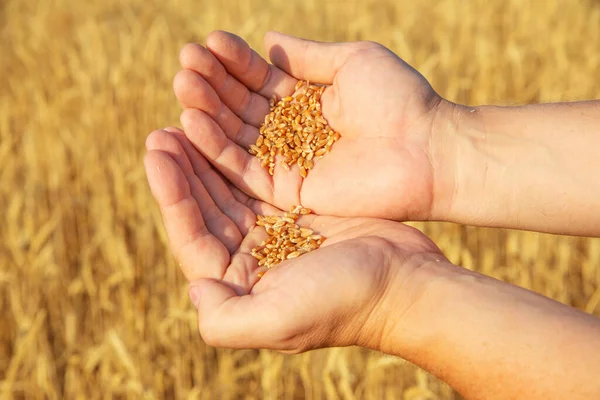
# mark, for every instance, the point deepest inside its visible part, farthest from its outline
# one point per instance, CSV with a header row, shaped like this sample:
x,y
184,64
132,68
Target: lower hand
x,y
338,295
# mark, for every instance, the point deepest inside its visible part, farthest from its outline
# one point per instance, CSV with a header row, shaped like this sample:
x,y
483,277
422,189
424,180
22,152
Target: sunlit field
x,y
92,303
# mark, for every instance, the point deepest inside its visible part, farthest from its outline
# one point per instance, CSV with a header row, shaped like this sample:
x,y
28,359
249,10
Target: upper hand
x,y
384,110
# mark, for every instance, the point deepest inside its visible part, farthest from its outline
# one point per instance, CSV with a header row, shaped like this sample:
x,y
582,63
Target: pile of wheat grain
x,y
296,130
286,239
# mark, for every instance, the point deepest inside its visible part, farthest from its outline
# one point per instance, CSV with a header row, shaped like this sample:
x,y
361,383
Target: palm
x,y
379,104
210,225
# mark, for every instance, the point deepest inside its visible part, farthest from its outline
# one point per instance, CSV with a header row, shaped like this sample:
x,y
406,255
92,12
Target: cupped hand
x,y
385,111
333,296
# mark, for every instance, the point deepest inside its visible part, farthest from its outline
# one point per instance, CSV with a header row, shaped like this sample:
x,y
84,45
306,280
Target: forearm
x,y
534,167
489,340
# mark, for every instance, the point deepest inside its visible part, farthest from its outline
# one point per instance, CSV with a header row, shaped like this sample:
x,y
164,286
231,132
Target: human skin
x,y
406,153
374,283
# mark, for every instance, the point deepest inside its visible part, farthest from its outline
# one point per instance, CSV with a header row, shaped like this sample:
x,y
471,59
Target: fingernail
x,y
194,294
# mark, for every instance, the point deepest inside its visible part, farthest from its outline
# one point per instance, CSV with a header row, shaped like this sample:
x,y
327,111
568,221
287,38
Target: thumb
x,y
226,319
307,59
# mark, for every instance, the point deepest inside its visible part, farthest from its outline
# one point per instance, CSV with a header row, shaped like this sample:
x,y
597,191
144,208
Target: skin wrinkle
x,y
266,80
245,103
435,108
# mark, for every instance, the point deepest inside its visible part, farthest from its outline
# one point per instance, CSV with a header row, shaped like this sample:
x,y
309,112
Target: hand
x,y
333,296
383,166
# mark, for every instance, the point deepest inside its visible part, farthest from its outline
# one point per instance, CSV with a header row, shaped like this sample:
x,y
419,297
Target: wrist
x,y
401,320
460,160
445,161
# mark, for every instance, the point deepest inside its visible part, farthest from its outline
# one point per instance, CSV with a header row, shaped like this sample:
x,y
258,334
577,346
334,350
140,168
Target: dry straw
x,y
296,130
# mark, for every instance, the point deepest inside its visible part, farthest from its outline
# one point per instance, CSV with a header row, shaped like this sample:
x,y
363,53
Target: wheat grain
x,y
286,240
296,130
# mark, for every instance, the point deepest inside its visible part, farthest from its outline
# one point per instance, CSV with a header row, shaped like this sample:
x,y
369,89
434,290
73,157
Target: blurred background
x,y
92,303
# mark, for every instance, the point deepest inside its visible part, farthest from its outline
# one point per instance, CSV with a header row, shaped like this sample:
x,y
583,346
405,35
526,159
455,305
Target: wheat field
x,y
92,303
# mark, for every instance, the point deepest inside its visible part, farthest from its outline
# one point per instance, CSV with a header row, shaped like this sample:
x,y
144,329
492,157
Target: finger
x,y
237,165
227,320
243,272
248,67
189,238
305,59
216,222
162,140
193,91
217,188
249,106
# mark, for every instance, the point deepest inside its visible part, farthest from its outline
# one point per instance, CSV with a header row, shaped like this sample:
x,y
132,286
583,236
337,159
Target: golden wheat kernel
x,y
288,220
320,152
306,232
279,223
293,254
291,215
